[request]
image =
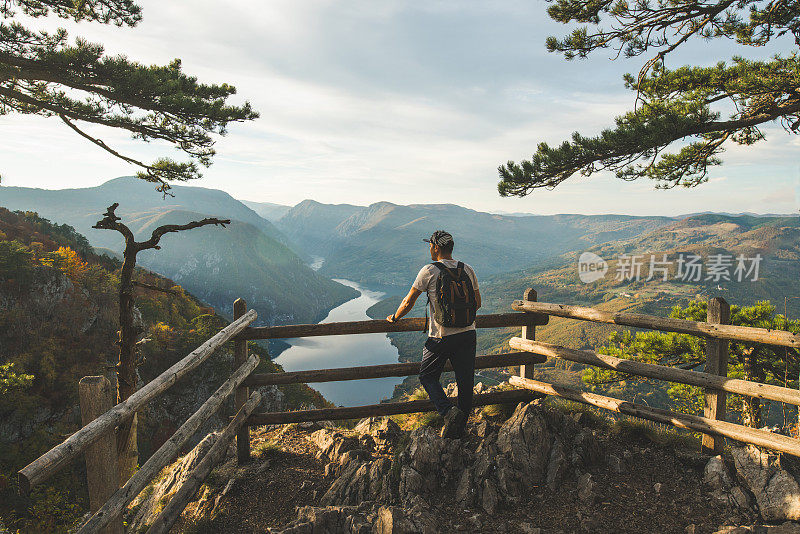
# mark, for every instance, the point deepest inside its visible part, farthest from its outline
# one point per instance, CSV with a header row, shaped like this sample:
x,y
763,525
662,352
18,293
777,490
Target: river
x,y
346,351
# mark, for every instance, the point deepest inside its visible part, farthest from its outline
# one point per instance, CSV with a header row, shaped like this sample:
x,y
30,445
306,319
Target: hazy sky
x,y
410,102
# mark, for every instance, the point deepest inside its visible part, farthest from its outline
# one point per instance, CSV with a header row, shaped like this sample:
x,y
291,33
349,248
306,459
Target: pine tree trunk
x,y
127,445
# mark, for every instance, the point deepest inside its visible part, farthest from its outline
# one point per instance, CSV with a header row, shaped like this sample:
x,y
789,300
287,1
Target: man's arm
x,y
478,299
406,305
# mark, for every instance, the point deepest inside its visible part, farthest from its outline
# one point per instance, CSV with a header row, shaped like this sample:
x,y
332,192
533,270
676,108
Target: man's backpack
x,y
455,304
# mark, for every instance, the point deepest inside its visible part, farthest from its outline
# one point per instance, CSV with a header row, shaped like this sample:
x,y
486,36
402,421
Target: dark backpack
x,y
455,304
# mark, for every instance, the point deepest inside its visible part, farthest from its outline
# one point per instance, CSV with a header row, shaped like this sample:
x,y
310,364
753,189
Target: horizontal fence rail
x,y
742,433
167,452
661,372
172,511
497,320
57,457
386,370
666,324
388,408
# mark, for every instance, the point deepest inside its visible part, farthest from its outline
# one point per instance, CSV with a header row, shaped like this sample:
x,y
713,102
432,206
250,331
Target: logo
x,y
591,267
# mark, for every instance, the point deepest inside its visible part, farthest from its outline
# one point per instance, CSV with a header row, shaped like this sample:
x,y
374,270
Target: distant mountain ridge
x,y
267,210
382,243
210,262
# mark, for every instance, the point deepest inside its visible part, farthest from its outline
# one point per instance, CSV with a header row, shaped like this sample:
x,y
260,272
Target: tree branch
x,y
159,232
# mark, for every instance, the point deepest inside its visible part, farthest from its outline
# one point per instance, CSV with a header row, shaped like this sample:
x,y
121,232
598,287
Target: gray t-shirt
x,y
426,282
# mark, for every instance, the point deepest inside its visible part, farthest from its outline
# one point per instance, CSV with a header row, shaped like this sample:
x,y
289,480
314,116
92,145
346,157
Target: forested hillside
x,y
250,259
58,323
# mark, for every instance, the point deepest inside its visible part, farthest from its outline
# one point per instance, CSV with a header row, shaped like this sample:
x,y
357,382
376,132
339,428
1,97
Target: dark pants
x,y
460,350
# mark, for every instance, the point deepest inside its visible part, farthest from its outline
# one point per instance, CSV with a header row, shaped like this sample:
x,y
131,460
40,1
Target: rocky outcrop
x,y
755,480
495,466
775,488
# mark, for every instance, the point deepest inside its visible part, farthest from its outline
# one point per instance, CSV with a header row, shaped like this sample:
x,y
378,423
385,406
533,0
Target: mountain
x,y
83,207
312,225
382,243
58,323
249,259
267,210
220,265
776,239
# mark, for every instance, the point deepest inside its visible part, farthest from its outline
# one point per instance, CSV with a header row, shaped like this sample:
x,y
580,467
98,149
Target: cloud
x,y
364,101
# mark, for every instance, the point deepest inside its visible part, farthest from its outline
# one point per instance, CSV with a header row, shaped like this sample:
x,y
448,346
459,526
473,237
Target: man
x,y
453,299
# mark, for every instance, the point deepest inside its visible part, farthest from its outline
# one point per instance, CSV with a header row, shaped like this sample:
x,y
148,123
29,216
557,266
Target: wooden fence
x,y
95,440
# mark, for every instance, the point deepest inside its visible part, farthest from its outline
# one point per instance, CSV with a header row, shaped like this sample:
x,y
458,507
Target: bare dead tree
x,y
126,366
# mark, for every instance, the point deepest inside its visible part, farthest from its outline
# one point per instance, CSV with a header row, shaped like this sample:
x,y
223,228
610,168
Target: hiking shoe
x,y
455,421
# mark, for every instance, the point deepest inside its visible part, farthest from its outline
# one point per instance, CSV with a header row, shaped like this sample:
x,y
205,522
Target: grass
x,y
630,429
266,447
412,421
641,431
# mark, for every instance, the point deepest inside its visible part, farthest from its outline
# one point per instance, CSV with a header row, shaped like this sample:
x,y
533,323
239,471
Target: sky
x,y
408,102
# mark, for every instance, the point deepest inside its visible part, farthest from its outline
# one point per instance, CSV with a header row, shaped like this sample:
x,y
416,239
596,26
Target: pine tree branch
x,y
110,221
159,232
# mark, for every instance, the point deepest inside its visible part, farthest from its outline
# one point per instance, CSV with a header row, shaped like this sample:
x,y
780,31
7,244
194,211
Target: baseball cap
x,y
439,238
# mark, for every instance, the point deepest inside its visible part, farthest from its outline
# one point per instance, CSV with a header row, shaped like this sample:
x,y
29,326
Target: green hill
x,y
58,323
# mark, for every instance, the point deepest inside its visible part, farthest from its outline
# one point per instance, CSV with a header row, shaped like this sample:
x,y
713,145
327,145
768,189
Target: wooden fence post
x,y
719,312
528,332
102,473
241,395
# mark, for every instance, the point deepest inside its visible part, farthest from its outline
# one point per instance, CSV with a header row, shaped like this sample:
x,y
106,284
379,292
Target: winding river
x,y
346,351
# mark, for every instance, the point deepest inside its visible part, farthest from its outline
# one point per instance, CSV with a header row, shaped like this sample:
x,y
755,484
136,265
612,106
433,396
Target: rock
x,y
657,487
395,520
615,463
451,390
354,455
556,465
741,498
587,448
333,444
383,430
475,522
527,528
717,475
411,482
330,469
525,439
366,442
465,492
733,530
786,528
481,428
489,497
586,488
776,491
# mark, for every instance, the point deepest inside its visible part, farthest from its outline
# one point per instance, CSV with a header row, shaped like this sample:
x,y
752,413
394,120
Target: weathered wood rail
x,y
717,332
528,352
100,431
